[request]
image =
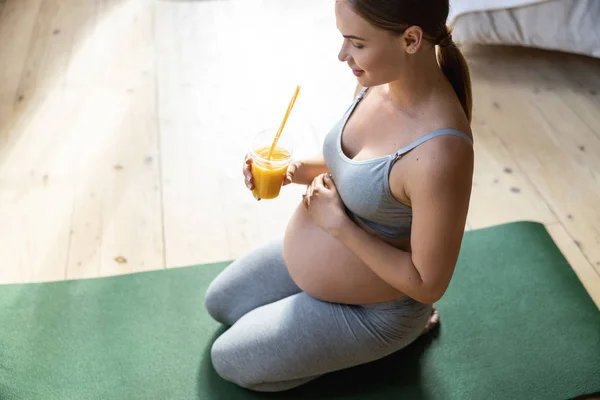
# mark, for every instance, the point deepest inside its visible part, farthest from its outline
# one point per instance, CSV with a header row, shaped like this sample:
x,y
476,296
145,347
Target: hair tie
x,y
446,40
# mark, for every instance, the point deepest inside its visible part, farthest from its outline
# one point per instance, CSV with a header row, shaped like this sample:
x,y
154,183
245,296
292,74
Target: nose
x,y
343,55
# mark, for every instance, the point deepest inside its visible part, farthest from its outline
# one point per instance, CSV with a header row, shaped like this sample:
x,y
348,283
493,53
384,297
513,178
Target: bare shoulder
x,y
443,166
446,160
448,156
452,150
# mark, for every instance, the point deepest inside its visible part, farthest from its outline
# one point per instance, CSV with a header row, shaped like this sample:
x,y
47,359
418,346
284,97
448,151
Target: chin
x,y
369,81
363,80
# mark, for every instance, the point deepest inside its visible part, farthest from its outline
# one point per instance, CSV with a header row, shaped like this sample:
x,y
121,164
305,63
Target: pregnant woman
x,y
375,239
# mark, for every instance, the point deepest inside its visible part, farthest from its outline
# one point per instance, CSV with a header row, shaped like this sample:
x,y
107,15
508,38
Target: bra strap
x,y
361,94
431,135
357,100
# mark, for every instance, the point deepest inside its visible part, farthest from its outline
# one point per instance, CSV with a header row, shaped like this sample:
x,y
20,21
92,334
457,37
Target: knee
x,y
248,367
216,304
231,365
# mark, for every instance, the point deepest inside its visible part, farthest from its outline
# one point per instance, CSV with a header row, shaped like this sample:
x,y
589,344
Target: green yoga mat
x,y
516,324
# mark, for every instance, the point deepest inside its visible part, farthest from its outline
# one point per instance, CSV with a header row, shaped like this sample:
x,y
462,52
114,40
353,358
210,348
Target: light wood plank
x,y
36,198
194,216
59,24
117,220
2,5
502,192
582,96
17,23
584,270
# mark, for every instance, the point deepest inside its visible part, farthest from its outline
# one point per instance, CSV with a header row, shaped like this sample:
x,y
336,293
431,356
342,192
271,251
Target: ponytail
x,y
456,69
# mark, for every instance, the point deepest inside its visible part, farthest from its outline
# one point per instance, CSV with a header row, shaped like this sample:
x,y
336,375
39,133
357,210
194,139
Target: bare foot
x,y
434,320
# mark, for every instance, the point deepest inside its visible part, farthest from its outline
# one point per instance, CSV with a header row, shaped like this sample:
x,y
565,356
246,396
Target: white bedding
x,y
564,25
462,7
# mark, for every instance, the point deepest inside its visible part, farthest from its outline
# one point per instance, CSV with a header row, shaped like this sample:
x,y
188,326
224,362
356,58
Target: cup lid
x,y
264,139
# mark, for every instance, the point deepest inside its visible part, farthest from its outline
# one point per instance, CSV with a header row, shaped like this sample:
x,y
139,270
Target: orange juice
x,y
268,174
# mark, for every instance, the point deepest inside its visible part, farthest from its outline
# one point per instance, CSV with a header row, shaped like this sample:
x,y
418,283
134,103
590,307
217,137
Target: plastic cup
x,y
268,174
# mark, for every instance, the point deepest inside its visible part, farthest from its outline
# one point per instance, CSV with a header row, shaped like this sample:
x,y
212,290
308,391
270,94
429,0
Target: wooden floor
x,y
123,124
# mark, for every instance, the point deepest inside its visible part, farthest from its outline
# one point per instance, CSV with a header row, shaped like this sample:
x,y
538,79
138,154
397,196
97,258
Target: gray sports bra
x,y
364,185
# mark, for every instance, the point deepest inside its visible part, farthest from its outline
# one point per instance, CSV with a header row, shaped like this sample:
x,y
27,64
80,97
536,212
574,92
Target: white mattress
x,y
564,25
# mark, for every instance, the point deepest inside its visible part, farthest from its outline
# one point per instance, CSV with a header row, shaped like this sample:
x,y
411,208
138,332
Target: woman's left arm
x,y
439,190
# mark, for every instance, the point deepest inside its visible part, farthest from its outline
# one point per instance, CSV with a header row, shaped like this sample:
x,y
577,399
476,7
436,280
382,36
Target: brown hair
x,y
398,15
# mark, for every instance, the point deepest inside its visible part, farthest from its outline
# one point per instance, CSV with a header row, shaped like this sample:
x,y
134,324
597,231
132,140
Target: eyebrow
x,y
354,37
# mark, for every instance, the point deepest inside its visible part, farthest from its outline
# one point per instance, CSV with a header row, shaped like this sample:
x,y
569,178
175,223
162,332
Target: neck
x,y
422,77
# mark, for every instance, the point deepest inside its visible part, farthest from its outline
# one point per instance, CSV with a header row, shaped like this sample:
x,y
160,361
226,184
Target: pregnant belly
x,y
326,269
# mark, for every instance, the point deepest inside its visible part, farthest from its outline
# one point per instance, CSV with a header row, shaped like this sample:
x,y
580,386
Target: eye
x,y
358,45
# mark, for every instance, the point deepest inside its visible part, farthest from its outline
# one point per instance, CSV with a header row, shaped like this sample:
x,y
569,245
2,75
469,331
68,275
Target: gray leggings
x,y
281,338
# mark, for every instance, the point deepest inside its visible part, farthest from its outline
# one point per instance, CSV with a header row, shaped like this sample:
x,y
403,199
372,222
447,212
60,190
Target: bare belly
x,y
326,269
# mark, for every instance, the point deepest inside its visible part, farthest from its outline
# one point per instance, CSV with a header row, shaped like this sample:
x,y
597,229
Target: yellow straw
x,y
285,118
